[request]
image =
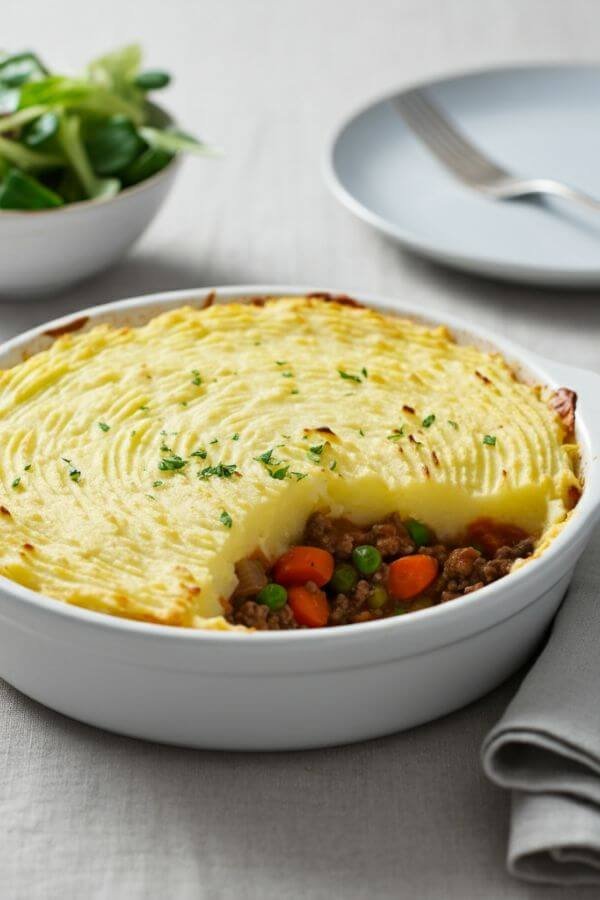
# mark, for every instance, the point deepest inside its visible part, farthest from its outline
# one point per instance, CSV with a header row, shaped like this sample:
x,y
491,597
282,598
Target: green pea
x,y
273,595
378,597
344,578
367,559
418,532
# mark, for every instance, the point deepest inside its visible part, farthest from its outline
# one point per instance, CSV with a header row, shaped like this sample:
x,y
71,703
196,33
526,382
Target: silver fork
x,y
467,162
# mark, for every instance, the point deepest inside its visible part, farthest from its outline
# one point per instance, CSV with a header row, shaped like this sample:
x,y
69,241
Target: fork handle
x,y
511,188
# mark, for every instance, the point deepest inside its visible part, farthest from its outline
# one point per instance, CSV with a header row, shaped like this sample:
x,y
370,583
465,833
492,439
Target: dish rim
x,y
588,507
432,249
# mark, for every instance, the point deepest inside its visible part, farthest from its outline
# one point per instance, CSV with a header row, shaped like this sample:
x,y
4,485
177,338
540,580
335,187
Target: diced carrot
x,y
309,607
409,576
490,535
301,564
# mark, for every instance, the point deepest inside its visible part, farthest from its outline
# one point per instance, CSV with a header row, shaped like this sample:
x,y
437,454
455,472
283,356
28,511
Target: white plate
x,y
534,120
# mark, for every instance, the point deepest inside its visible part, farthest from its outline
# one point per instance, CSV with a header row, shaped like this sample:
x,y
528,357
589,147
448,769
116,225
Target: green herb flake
x,y
157,483
184,403
214,441
150,497
16,483
144,408
219,471
235,437
103,426
172,463
226,519
299,475
453,424
202,454
27,467
333,464
295,391
287,374
489,439
364,372
428,420
361,432
314,453
164,448
280,362
74,474
396,434
279,474
197,380
348,377
264,457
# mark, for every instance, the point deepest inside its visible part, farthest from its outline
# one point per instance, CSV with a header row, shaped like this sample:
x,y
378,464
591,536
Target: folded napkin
x,y
546,748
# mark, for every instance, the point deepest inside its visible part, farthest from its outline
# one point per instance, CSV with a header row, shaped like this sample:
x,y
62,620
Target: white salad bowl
x,y
44,251
294,689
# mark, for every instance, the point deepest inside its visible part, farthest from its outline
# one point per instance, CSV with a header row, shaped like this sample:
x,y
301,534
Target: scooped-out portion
x,y
343,573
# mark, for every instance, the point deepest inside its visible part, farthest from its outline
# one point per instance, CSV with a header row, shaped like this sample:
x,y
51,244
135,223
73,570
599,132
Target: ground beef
x,y
462,570
259,616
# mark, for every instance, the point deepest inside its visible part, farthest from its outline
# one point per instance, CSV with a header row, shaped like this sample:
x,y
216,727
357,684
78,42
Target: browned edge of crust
x,y
73,325
564,402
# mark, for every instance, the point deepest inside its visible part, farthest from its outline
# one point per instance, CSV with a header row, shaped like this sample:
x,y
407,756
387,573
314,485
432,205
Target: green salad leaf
x,y
65,139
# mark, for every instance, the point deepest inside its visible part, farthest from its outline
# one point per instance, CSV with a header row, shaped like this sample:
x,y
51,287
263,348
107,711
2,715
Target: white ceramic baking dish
x,y
297,689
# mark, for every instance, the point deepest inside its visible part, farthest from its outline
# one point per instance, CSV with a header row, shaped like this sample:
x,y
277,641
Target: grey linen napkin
x,y
546,747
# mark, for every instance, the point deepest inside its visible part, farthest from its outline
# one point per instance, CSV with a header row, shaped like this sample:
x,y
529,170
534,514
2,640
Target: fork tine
x,y
444,140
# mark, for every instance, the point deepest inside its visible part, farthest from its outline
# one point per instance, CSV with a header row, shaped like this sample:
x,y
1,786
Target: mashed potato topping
x,y
138,465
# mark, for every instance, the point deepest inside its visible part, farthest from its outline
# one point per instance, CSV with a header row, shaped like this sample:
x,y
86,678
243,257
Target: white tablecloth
x,y
88,814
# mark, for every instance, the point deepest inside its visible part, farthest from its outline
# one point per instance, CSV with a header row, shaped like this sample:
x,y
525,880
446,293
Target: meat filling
x,y
343,573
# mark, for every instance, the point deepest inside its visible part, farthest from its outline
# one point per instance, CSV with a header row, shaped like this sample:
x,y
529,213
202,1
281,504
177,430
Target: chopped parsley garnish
x,y
103,426
489,439
27,467
157,483
264,457
277,468
361,432
280,362
201,453
171,463
164,448
226,519
144,408
219,471
184,403
349,377
428,420
396,434
235,437
197,380
364,372
287,374
74,474
314,453
150,497
295,391
333,464
214,441
453,424
16,483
